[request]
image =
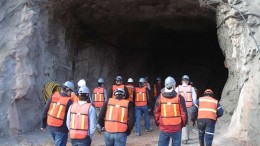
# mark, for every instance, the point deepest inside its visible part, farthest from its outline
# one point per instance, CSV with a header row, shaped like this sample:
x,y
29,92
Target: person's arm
x,y
148,98
92,121
131,118
105,95
194,113
194,95
184,108
45,114
102,115
126,91
68,118
219,111
158,111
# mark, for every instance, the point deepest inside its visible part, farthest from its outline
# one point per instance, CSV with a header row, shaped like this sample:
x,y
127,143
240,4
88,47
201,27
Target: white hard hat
x,y
185,77
69,85
130,80
101,80
141,80
84,89
169,82
81,83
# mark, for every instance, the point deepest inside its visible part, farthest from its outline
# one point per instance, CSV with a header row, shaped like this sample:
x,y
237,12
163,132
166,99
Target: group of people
x,y
76,113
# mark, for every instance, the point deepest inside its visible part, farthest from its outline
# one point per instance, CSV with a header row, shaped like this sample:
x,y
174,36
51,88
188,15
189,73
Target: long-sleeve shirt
x,y
193,93
183,110
195,108
91,119
131,117
63,127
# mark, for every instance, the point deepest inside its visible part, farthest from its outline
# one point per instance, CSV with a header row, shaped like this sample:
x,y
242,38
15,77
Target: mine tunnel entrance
x,y
156,45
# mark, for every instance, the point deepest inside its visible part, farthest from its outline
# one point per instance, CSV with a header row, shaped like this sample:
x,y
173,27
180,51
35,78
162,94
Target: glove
x,y
193,123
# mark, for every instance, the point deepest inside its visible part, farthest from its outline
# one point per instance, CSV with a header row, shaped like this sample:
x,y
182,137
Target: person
x,y
196,90
190,96
81,119
117,118
157,87
99,95
170,115
74,94
147,84
206,110
119,84
55,114
142,105
130,88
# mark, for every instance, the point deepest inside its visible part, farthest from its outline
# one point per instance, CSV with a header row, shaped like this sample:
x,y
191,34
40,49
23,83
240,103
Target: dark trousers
x,y
81,142
206,129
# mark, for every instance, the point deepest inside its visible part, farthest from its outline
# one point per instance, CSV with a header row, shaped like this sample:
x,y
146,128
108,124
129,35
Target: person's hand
x,y
193,123
42,129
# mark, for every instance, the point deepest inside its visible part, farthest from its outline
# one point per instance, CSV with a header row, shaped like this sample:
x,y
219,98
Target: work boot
x,y
201,143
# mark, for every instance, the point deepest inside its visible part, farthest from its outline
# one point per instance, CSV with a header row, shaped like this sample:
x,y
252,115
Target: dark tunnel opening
x,y
157,46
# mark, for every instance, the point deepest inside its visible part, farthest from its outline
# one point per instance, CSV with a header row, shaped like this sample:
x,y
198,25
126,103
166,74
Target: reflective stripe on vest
x,y
170,110
79,121
140,99
130,89
99,98
115,87
116,115
207,108
56,112
185,91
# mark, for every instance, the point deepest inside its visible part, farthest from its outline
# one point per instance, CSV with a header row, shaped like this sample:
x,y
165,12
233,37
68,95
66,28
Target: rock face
x,y
239,39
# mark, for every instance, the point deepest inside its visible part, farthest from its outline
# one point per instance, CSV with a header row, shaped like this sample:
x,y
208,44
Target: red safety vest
x,y
115,87
140,98
155,89
170,110
130,89
207,108
99,98
57,110
185,91
79,120
116,115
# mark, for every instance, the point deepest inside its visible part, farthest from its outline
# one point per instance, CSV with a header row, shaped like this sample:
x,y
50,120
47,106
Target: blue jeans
x,y
164,138
81,142
206,129
115,139
60,138
138,111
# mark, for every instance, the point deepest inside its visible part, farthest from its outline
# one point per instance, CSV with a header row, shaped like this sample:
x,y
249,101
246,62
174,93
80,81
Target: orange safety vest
x,y
115,87
74,97
57,110
207,108
99,98
170,110
79,120
130,89
155,89
185,91
140,99
116,115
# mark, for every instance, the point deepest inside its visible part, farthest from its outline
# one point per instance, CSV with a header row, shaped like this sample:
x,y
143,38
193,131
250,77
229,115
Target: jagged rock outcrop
x,y
240,41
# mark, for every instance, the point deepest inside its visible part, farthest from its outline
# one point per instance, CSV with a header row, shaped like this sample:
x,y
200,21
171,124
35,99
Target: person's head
x,y
81,83
185,79
101,82
83,93
158,80
120,93
208,92
141,82
119,80
68,87
170,83
130,81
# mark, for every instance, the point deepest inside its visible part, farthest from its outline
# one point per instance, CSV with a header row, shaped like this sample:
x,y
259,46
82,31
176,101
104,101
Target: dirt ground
x,y
40,138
